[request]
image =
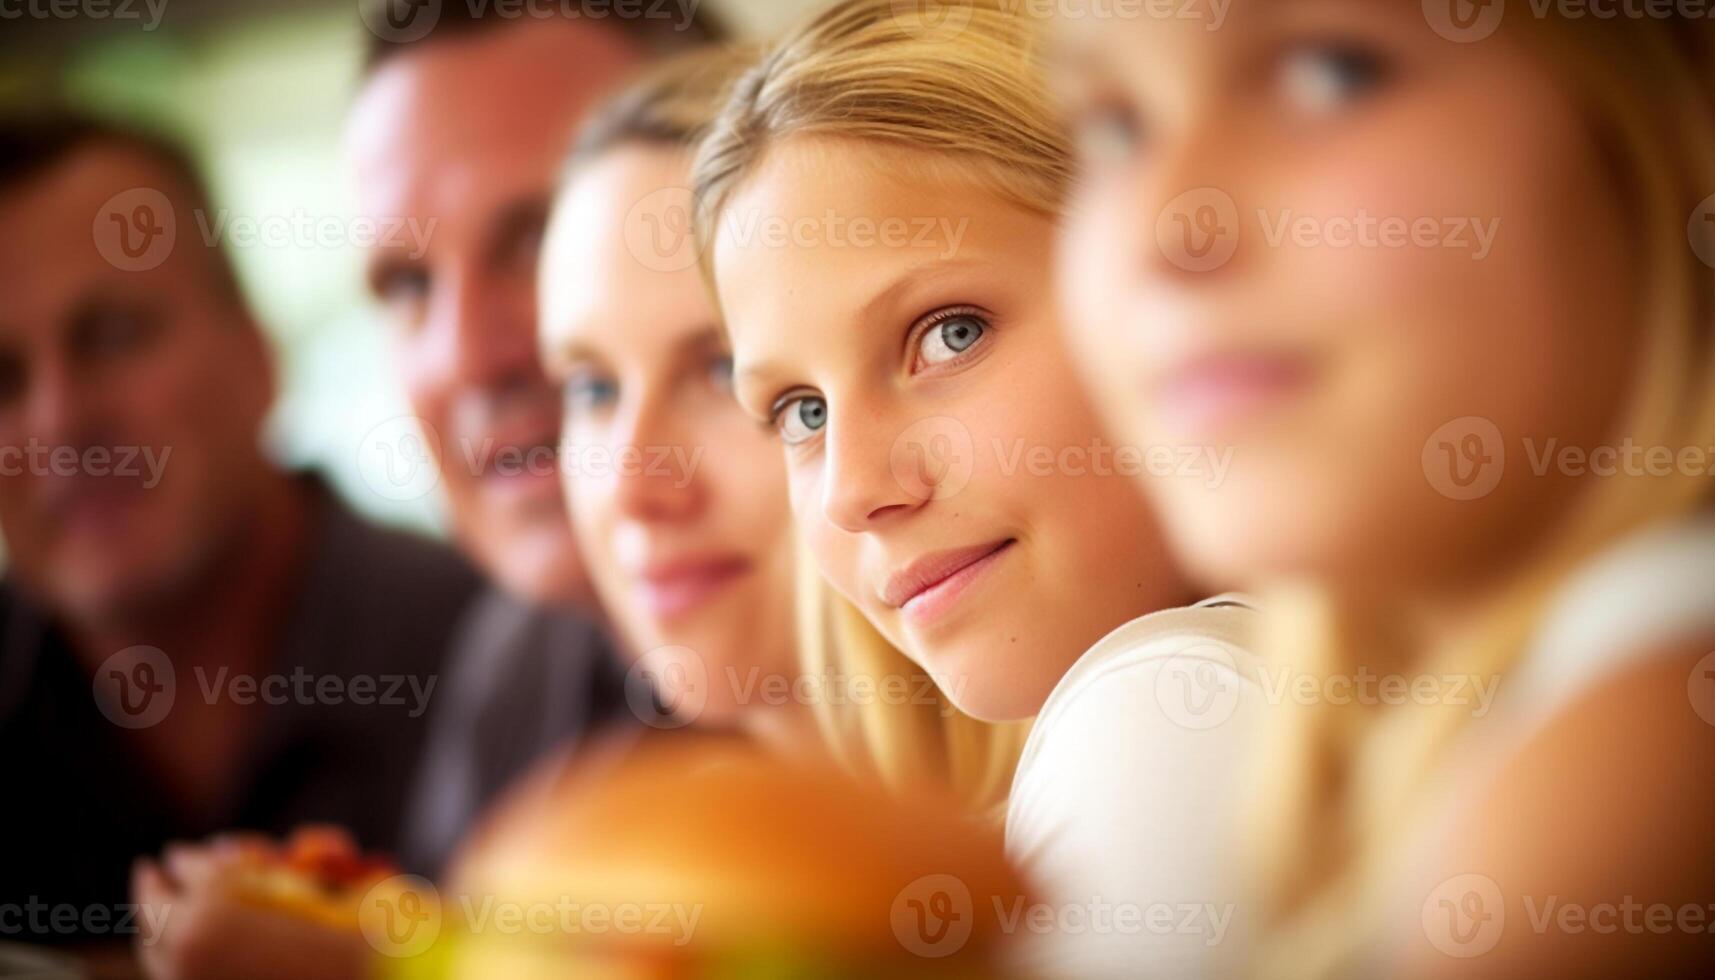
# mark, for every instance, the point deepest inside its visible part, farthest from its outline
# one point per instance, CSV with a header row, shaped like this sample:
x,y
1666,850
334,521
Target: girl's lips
x,y
674,589
931,585
1212,393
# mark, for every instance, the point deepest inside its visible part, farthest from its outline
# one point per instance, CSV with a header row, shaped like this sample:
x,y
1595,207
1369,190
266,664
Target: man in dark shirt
x,y
191,639
464,120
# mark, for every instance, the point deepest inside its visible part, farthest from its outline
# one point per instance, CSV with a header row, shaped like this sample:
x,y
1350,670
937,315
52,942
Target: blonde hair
x,y
671,104
960,82
1336,785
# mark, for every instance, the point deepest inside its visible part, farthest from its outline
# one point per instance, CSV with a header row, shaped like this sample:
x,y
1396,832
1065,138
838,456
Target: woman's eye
x,y
720,372
947,339
799,419
587,392
1323,77
1108,134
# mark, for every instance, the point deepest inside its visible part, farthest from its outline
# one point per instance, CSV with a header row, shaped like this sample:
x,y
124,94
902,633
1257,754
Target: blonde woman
x,y
679,501
877,203
1474,458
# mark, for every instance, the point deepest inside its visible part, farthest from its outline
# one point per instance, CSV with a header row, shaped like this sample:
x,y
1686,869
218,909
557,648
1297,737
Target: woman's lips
x,y
674,588
1213,393
929,586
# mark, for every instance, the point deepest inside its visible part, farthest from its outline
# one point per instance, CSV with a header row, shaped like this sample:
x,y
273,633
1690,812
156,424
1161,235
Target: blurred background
x,y
259,90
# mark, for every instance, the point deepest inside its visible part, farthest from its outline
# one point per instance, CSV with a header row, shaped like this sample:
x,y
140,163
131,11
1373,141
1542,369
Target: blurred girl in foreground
x,y
1419,486
945,469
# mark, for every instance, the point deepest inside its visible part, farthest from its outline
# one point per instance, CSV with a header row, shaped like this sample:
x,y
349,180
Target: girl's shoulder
x,y
1652,591
1204,645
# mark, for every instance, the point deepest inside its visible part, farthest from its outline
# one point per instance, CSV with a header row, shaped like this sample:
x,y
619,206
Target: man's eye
x,y
799,419
1324,76
112,333
587,392
945,339
720,372
403,290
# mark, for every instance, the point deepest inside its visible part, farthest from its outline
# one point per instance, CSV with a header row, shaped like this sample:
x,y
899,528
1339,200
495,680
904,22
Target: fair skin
x,y
479,161
696,558
677,497
905,378
99,365
474,165
1327,369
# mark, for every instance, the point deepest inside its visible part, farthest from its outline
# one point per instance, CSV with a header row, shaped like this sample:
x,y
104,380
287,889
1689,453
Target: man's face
x,y
466,137
132,388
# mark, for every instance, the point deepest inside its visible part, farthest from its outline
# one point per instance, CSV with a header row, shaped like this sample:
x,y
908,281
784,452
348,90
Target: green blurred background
x,y
258,90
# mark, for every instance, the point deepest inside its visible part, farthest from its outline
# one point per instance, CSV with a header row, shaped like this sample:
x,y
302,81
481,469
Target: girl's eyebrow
x,y
926,271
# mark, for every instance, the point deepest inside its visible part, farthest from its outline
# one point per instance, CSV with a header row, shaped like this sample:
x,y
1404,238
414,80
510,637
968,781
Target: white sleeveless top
x,y
1635,599
1124,805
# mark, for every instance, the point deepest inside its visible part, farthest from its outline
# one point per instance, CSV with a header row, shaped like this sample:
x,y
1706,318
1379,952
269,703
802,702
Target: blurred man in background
x,y
191,638
467,126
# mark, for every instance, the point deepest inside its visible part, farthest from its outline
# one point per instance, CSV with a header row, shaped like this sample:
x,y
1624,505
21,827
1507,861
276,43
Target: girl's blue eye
x,y
587,392
720,372
800,418
1325,76
949,338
